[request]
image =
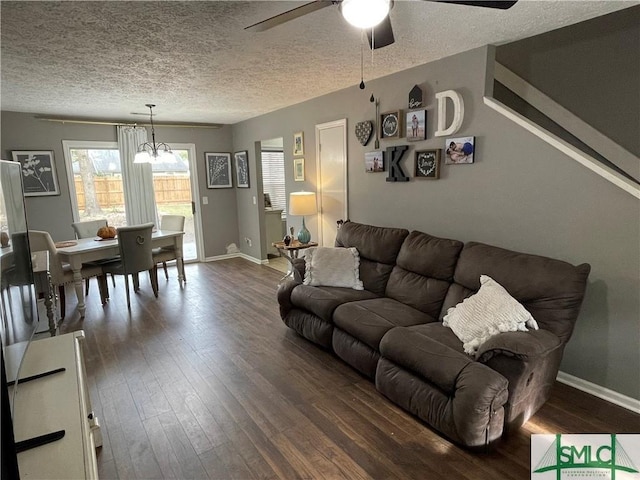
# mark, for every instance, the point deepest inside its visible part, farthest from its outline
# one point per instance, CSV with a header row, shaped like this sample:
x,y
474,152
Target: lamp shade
x,y
302,203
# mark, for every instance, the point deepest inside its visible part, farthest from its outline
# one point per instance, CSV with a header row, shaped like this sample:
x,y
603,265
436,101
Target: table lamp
x,y
303,203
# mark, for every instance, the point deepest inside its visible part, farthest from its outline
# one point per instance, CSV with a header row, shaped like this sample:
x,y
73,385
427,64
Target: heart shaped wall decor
x,y
363,131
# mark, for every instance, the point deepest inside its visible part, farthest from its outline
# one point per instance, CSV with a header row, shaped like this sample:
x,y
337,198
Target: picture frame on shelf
x,y
298,169
428,164
459,150
298,144
39,175
242,169
218,166
391,124
416,125
374,161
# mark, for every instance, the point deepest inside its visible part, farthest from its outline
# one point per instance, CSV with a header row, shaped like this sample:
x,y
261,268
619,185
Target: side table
x,y
290,252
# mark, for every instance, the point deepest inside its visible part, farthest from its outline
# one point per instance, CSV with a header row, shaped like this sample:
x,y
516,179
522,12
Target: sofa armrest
x,y
520,345
530,362
284,294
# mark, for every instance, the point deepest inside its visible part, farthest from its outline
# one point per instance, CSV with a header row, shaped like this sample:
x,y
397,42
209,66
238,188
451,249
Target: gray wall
x,y
521,194
21,131
592,69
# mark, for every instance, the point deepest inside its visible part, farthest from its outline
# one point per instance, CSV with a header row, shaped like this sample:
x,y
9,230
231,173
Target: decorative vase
x,y
4,239
304,236
287,240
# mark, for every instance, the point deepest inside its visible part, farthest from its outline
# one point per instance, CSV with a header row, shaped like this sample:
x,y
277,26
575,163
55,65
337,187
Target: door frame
x,y
195,196
325,126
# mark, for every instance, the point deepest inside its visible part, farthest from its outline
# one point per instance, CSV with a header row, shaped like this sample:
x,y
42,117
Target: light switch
x,y
254,200
205,200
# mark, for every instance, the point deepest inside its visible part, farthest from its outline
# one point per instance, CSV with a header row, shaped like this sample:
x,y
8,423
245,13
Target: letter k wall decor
x,y
394,155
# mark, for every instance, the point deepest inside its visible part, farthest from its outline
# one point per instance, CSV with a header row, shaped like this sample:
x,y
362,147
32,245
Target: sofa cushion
x,y
333,267
552,290
369,320
429,256
378,248
322,301
485,314
441,334
425,357
423,272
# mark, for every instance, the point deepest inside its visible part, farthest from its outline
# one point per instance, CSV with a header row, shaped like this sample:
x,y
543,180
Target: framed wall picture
x,y
391,124
38,172
298,143
298,169
416,125
459,150
374,161
242,169
428,164
218,170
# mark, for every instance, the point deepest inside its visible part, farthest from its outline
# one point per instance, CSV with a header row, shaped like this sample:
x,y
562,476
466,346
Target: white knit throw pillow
x,y
333,267
490,311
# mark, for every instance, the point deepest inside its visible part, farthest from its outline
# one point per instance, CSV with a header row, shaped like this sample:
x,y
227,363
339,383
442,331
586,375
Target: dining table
x,y
83,250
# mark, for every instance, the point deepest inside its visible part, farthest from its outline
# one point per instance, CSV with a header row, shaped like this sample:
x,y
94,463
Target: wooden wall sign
x,y
415,97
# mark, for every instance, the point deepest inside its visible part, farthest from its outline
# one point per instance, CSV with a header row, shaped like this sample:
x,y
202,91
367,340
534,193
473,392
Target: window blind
x,y
273,178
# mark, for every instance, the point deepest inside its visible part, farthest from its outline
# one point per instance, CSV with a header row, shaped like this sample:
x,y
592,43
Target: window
x,y
273,179
95,181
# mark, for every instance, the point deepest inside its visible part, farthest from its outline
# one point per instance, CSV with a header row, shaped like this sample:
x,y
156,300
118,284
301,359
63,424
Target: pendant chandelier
x,y
153,152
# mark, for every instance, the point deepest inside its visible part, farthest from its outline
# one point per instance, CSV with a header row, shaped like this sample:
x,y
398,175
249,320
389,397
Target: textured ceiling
x,y
106,59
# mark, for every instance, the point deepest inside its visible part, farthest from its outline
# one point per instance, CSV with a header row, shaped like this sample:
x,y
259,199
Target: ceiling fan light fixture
x,y
365,13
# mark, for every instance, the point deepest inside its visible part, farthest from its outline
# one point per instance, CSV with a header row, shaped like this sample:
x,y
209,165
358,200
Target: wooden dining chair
x,y
61,273
166,254
135,256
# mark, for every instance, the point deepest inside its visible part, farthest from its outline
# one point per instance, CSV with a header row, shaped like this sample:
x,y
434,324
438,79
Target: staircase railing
x,y
626,164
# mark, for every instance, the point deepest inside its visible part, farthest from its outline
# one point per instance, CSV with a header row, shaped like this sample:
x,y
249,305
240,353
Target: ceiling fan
x,y
372,15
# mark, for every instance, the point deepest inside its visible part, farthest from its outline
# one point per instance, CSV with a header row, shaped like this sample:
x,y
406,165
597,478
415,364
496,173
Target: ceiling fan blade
x,y
382,34
289,15
501,4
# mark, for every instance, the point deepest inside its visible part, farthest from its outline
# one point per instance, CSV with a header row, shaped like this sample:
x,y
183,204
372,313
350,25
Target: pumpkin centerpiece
x,y
107,232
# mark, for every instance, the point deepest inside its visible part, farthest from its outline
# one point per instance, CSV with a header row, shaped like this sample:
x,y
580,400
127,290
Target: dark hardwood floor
x,y
207,382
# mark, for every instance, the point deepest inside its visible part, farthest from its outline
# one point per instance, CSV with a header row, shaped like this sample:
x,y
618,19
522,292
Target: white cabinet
x,y
57,402
274,228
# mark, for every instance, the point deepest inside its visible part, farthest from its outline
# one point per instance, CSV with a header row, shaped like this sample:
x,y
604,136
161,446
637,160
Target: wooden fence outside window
x,y
169,189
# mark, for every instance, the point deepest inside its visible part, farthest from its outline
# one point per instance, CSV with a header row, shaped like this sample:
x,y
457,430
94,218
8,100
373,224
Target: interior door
x,y
331,152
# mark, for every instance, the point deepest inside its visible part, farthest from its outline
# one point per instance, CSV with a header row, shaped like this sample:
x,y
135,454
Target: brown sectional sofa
x,y
392,330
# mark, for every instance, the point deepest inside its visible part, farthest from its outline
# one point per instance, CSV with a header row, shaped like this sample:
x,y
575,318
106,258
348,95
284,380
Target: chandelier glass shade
x,y
365,13
153,152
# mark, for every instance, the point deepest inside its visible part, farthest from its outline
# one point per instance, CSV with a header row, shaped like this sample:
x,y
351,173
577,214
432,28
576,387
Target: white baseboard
x,y
237,255
253,259
600,392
